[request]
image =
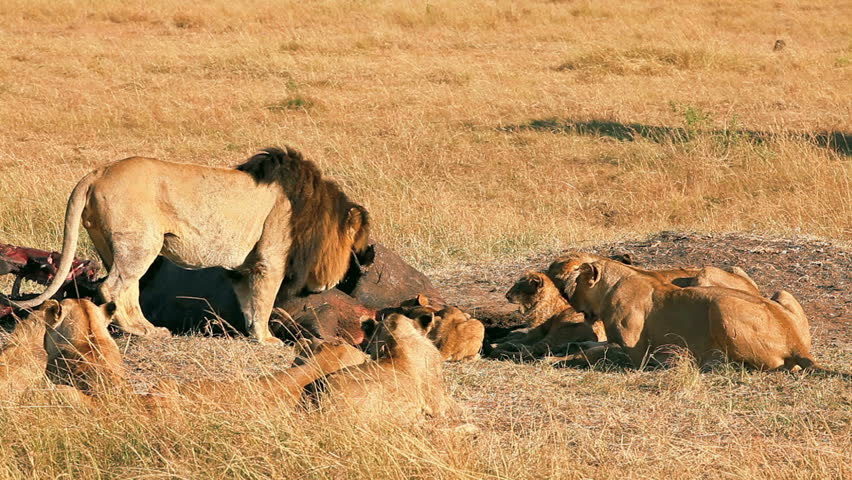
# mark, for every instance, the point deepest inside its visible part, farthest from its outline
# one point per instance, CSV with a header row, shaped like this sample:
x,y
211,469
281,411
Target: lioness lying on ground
x,y
80,351
563,271
405,379
642,314
536,292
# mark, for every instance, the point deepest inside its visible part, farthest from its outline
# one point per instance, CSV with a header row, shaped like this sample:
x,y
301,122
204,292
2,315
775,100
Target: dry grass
x,y
473,131
536,422
433,113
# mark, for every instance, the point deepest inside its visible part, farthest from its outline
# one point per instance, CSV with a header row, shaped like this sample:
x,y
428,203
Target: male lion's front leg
x,y
256,288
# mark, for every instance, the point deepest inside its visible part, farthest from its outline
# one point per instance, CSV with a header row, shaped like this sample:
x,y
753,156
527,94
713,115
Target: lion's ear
x,y
354,218
426,321
368,326
590,273
109,310
422,300
52,311
535,280
624,258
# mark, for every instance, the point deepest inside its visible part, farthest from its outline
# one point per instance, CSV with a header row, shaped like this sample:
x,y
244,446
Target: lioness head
x,y
564,270
384,337
583,290
529,290
80,350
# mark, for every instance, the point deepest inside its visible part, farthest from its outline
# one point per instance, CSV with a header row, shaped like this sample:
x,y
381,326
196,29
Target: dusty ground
x,y
574,423
819,273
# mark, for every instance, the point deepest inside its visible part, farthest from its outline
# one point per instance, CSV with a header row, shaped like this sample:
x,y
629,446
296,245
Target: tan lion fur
x,y
80,351
22,358
642,314
537,292
536,301
272,219
405,379
456,334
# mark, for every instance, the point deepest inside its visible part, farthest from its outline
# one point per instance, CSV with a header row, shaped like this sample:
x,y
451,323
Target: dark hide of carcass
x,y
40,266
193,300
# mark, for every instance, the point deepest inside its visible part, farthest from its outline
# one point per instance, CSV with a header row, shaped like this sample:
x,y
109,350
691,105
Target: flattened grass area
x,y
479,131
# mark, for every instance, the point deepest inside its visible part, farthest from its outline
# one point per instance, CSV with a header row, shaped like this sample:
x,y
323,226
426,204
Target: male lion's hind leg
x,y
122,284
256,288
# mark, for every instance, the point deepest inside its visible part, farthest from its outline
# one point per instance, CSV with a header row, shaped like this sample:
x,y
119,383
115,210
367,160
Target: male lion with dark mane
x,y
271,219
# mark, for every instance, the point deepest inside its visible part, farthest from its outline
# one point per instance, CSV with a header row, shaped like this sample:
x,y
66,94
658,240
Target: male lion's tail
x,y
73,212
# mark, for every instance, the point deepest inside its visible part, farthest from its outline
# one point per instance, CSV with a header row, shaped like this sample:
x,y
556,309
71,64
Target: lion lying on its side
x,y
641,313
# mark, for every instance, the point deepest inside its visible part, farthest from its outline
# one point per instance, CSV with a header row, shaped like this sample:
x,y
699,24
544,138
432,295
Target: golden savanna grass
x,y
451,121
472,131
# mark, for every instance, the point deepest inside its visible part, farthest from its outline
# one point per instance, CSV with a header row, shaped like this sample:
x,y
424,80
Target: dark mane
x,y
319,206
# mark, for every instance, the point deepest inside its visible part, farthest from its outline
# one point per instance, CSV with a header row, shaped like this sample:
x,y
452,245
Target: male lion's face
x,y
528,290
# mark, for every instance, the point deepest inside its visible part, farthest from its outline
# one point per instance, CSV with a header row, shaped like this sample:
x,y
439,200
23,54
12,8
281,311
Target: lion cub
x,y
456,334
538,298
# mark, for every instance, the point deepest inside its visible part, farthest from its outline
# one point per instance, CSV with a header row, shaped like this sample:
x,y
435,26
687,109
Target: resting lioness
x,y
405,379
80,351
642,314
563,270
